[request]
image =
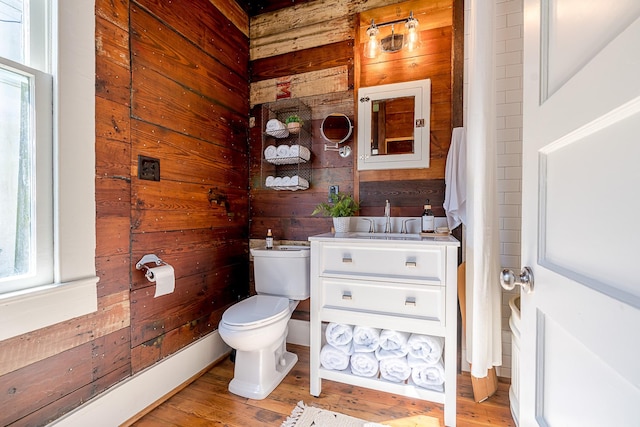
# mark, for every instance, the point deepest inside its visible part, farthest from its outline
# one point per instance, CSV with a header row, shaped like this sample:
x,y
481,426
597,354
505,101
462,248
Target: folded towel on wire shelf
x,y
286,181
364,364
395,369
269,181
338,334
365,339
426,347
394,340
283,151
300,151
277,182
424,375
333,358
270,152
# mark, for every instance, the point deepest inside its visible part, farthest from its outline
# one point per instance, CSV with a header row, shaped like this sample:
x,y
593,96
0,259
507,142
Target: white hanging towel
x,y
455,179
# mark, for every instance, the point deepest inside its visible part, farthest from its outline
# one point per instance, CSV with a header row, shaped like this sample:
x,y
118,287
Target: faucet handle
x,y
372,228
404,225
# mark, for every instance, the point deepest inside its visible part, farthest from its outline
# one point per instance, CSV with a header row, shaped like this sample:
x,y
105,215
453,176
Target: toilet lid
x,y
257,309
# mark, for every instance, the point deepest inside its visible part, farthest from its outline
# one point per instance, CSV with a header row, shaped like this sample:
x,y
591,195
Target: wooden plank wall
x,y
309,38
171,83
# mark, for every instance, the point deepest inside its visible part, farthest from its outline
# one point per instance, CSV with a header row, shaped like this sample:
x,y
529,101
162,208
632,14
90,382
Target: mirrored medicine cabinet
x,y
393,125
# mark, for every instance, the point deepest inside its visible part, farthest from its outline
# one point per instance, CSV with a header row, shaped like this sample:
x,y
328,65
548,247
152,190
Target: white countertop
x,y
360,236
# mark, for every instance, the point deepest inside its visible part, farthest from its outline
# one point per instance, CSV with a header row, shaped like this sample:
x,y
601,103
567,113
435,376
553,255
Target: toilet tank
x,y
282,271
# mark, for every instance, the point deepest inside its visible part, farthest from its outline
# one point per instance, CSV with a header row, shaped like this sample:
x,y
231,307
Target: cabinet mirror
x,y
393,131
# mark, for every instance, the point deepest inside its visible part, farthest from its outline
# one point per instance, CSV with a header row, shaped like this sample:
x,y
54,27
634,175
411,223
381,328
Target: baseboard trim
x,y
298,332
136,396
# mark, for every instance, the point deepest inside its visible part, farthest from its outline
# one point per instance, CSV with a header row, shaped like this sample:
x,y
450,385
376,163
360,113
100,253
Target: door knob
x,y
508,279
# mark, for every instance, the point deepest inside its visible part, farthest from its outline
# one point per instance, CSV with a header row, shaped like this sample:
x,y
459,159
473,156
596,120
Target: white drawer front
x,y
424,264
414,301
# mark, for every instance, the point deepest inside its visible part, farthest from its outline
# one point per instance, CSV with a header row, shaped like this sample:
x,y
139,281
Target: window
x,y
26,237
47,166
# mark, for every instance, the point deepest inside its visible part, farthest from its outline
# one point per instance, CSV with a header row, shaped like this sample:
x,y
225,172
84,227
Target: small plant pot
x,y
293,127
341,224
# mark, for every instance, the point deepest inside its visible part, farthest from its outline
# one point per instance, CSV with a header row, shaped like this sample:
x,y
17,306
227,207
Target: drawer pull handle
x,y
411,264
410,301
347,260
347,297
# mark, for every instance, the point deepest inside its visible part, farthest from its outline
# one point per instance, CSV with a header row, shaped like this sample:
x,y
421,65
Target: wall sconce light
x,y
393,42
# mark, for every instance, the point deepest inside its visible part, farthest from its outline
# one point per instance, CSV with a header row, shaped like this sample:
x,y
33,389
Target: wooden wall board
x,y
163,101
113,272
19,352
112,43
335,79
152,351
202,24
287,20
185,158
113,148
113,81
112,236
406,197
167,53
312,59
234,13
114,11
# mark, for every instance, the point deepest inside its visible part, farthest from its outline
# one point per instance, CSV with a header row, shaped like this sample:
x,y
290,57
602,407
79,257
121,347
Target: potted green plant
x,y
294,123
341,208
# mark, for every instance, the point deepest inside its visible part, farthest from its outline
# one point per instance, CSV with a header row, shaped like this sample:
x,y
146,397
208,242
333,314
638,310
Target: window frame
x,y
73,292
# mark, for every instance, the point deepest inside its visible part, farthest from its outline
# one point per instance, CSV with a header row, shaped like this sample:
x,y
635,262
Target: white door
x,y
580,352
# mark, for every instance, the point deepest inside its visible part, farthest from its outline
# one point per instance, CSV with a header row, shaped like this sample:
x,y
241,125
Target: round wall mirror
x,y
336,128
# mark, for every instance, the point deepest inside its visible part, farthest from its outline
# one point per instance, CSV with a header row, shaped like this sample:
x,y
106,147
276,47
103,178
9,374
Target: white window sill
x,y
36,308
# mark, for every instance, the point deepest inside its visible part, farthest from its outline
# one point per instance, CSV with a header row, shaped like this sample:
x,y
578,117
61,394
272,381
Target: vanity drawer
x,y
425,302
419,263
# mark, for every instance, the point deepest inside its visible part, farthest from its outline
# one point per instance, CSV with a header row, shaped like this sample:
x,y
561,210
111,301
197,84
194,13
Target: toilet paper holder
x,y
149,258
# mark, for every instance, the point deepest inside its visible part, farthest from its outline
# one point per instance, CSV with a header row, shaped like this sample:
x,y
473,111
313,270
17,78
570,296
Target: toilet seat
x,y
256,311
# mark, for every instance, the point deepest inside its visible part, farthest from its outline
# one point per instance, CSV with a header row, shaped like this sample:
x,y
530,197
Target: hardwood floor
x,y
207,402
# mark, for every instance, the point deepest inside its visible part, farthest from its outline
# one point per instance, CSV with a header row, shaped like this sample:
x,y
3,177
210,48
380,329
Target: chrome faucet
x,y
372,228
404,225
387,214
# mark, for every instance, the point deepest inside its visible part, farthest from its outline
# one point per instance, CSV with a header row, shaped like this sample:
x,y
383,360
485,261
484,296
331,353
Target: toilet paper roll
x,y
164,278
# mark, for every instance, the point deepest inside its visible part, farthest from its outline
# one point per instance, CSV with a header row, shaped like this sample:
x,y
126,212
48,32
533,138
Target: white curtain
x,y
484,346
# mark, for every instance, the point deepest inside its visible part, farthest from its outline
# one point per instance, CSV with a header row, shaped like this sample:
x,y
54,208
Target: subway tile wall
x,y
509,56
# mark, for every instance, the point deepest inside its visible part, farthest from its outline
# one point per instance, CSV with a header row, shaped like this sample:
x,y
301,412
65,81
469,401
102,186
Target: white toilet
x,y
257,326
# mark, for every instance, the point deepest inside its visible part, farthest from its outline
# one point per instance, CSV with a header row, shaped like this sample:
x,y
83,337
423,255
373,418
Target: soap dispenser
x,y
428,225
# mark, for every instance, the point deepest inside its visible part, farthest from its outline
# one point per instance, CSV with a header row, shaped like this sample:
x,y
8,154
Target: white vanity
x,y
403,282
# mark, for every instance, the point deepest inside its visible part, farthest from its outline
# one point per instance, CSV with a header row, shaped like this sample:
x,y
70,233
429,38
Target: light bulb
x,y
372,46
413,38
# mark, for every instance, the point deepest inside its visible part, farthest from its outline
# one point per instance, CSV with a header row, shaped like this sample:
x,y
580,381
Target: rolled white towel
x,y
276,129
300,151
300,182
364,364
394,340
270,152
277,182
338,334
269,181
333,358
365,339
395,369
426,347
382,354
286,181
283,151
429,376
